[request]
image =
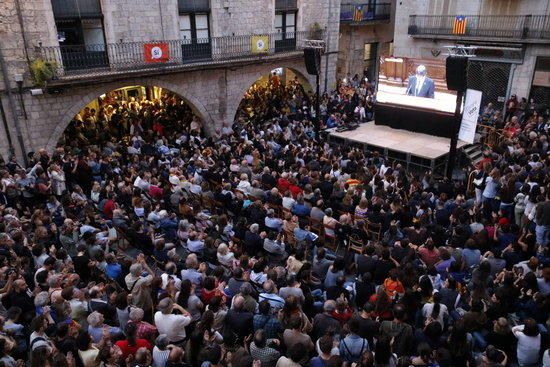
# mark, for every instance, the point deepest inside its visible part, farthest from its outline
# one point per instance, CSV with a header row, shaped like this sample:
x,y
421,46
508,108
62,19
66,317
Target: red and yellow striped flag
x,y
358,14
459,25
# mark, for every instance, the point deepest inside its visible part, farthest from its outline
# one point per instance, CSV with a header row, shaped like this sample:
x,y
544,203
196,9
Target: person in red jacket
x,y
131,345
109,207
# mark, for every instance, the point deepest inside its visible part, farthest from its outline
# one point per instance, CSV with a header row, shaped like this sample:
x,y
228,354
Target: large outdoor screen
x,y
414,83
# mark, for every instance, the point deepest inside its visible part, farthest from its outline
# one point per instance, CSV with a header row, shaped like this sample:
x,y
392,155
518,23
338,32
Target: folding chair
x,y
374,230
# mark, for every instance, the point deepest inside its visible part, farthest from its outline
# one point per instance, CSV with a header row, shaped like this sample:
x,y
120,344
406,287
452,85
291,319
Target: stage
x,y
411,148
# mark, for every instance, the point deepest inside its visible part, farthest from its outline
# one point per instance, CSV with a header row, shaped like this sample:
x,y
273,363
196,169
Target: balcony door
x,y
80,34
195,36
285,25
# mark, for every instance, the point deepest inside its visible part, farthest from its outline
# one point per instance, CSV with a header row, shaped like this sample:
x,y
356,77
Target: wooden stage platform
x,y
413,149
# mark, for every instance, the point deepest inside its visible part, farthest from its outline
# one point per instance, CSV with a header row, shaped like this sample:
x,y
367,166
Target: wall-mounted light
x,y
19,80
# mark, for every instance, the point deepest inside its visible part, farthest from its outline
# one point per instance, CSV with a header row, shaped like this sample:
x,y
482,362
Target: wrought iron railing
x,y
486,26
112,57
357,13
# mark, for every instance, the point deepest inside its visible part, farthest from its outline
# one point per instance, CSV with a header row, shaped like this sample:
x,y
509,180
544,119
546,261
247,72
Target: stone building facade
x,y
213,89
363,43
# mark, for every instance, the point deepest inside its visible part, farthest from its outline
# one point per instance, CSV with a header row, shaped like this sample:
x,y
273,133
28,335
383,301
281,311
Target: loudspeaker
x,y
312,58
456,73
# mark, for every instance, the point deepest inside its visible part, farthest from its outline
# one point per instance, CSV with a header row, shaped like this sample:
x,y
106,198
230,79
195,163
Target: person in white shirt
x,y
529,342
244,184
172,325
160,352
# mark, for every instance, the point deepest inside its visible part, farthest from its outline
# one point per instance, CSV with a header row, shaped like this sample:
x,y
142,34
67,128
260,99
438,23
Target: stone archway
x,y
196,106
243,83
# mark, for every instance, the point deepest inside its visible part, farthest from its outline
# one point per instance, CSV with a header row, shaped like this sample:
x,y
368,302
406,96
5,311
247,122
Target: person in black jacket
x,y
238,323
253,241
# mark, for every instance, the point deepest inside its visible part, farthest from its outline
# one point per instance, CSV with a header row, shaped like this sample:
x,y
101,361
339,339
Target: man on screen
x,y
420,85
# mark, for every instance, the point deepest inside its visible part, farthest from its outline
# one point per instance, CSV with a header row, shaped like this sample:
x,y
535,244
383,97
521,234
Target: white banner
x,y
470,115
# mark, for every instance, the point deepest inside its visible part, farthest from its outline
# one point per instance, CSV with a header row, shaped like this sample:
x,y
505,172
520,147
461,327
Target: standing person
x,y
529,343
139,286
353,346
171,324
57,177
398,329
511,107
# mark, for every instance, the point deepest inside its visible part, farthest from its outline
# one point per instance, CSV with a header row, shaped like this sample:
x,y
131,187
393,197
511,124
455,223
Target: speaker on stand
x,y
312,58
456,72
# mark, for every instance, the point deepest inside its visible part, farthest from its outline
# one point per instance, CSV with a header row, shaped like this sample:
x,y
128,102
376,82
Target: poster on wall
x,y
470,115
156,52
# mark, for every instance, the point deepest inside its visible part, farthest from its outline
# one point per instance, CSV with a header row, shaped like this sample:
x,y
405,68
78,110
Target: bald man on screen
x,y
420,85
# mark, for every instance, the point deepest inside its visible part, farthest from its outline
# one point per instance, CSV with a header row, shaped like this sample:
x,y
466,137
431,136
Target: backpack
x,y
348,356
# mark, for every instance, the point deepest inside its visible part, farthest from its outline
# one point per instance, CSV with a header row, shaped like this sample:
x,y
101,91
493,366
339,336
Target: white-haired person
x,y
139,285
420,85
144,329
225,257
96,324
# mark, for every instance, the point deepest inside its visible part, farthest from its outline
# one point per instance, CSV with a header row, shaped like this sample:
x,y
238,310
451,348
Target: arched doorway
x,y
129,113
282,90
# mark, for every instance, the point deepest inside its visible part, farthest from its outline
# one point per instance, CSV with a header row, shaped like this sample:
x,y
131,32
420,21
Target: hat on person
x,y
165,304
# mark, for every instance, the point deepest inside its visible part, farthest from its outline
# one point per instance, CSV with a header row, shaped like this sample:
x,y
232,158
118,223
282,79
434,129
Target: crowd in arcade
x,y
143,241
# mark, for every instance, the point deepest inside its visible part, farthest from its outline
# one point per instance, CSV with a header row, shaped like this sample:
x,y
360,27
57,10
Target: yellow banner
x,y
260,44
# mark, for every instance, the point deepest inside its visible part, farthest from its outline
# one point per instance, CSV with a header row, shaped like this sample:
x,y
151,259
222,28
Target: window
x,y
185,27
285,23
194,27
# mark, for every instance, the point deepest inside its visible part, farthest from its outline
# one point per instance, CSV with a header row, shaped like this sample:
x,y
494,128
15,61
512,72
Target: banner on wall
x,y
260,44
470,116
156,52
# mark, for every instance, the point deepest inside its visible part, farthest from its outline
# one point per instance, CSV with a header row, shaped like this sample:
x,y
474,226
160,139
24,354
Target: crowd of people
x,y
139,241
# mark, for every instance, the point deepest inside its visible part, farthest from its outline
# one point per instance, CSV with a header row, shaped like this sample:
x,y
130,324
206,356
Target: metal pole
x,y
6,127
317,104
12,107
327,55
454,138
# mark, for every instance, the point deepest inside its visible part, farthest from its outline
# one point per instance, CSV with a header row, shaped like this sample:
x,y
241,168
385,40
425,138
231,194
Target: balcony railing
x,y
364,13
510,27
105,59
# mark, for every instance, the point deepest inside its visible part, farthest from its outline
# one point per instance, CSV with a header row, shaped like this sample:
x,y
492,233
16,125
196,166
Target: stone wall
x,y
213,94
523,74
140,20
241,17
37,20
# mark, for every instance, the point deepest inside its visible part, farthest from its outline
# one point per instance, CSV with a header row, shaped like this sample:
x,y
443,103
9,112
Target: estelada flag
x,y
459,25
358,14
156,52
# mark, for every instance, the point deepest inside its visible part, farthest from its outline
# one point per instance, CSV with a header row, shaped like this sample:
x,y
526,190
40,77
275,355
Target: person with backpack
x,y
353,346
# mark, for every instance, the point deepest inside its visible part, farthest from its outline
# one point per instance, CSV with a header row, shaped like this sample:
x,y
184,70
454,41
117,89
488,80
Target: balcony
x,y
360,14
90,61
496,28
